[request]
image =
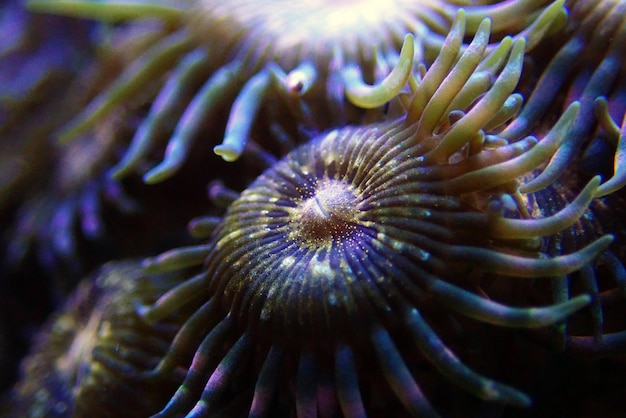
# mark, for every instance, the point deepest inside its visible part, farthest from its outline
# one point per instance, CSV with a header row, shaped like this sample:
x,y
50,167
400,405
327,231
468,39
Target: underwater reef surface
x,y
345,209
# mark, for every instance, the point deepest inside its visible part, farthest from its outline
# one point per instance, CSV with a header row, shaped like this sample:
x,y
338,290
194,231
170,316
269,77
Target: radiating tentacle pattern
x,y
343,254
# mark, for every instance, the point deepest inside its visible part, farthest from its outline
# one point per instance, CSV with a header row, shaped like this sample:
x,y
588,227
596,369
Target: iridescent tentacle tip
x,y
316,58
328,277
588,58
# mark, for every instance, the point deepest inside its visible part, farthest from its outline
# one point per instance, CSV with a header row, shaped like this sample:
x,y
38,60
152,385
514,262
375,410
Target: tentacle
x,y
62,236
617,269
476,85
501,173
369,97
455,80
618,134
156,61
482,78
547,87
497,57
90,211
306,387
560,293
187,336
598,85
452,368
590,285
510,265
482,160
327,401
556,73
611,343
221,377
265,387
481,113
566,153
164,105
550,20
495,261
501,13
109,11
217,89
527,228
347,383
399,377
490,312
293,86
538,22
202,227
511,106
300,80
176,259
206,357
176,297
439,70
335,87
242,116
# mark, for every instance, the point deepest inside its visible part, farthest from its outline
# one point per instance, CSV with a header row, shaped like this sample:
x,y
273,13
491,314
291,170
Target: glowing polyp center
x,y
316,23
329,214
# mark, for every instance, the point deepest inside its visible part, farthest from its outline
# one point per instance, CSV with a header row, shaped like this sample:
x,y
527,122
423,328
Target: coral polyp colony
x,y
396,179
312,56
329,256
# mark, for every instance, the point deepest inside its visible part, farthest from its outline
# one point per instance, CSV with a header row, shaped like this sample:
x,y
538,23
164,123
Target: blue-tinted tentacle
x,y
347,383
242,116
512,265
617,269
186,336
453,368
176,297
614,342
218,88
293,86
399,377
176,259
149,66
335,88
164,105
306,387
614,33
598,85
547,87
619,164
327,402
61,229
488,311
265,387
90,210
206,357
559,287
202,227
590,284
221,376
